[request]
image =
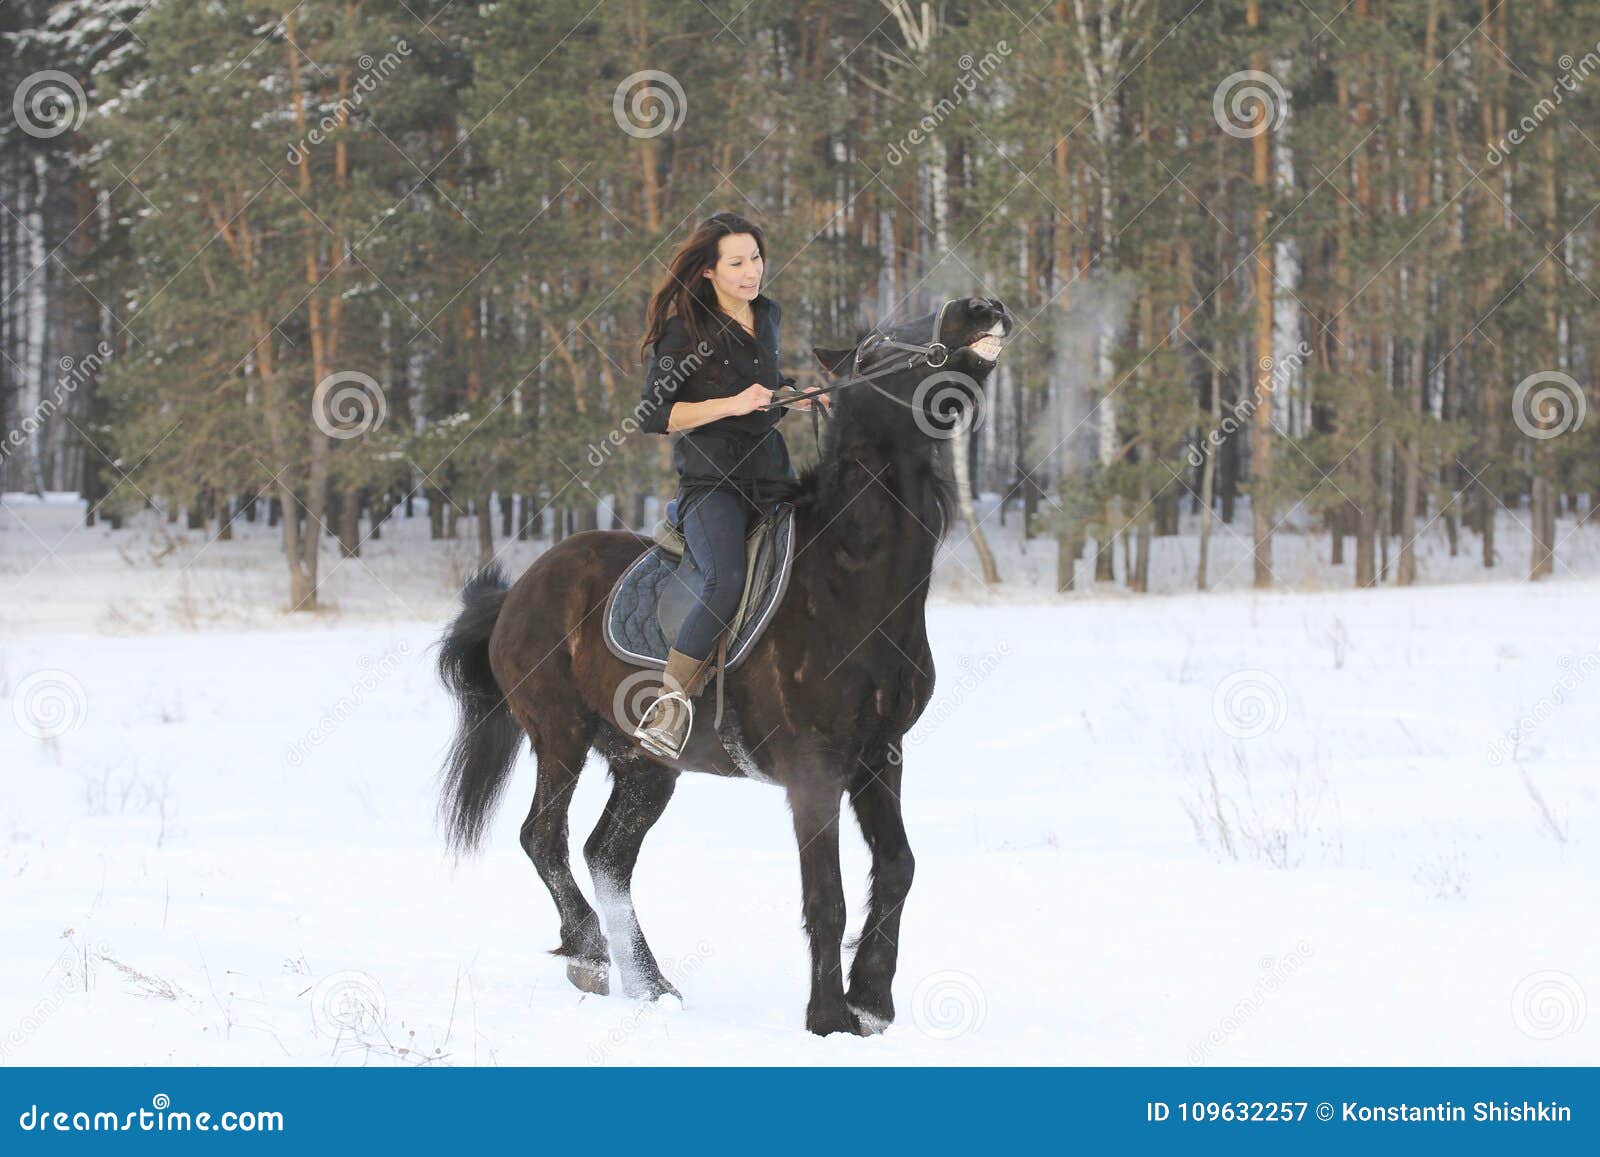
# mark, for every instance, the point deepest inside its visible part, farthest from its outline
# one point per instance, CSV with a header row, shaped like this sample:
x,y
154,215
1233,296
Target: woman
x,y
713,366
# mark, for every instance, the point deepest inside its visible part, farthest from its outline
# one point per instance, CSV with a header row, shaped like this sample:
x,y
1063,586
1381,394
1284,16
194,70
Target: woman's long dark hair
x,y
686,291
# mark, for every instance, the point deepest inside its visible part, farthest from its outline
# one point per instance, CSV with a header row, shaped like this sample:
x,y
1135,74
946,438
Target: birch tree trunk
x,y
1406,574
1261,497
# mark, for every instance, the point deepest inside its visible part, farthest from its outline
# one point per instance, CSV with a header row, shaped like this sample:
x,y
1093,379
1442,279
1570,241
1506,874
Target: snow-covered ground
x,y
1312,827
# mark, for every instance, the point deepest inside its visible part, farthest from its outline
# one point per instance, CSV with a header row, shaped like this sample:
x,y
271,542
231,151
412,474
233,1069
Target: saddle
x,y
650,600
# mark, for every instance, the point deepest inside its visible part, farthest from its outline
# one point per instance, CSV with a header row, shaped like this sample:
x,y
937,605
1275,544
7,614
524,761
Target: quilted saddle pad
x,y
633,626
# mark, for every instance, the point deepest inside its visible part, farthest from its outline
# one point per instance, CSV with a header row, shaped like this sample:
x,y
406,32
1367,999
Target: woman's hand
x,y
750,399
807,403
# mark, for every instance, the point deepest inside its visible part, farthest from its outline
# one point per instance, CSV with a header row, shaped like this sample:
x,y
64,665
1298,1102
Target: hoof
x,y
843,1021
652,989
871,1023
590,975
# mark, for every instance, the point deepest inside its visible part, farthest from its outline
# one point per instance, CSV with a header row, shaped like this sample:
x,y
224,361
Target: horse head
x,y
943,359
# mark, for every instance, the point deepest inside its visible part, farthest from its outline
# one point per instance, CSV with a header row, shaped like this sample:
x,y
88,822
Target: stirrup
x,y
656,740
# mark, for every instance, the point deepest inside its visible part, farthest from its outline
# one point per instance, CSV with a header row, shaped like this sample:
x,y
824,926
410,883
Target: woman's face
x,y
737,273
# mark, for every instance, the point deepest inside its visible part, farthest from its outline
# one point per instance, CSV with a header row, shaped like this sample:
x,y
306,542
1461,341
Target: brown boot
x,y
666,724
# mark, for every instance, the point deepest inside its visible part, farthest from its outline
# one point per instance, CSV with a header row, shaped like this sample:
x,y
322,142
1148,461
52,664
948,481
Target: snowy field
x,y
1317,826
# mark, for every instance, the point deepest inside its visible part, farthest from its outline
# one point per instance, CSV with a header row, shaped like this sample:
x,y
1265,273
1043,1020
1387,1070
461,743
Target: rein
x,y
923,355
934,353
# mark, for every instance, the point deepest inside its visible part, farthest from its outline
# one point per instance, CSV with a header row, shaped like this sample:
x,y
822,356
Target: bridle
x,y
877,340
933,353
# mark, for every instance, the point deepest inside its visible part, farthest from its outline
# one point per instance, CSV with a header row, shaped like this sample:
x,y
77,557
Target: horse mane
x,y
851,422
811,489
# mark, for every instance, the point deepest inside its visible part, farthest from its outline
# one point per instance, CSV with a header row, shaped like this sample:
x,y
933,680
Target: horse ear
x,y
834,360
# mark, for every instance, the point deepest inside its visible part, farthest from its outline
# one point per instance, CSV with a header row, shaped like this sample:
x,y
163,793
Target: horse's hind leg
x,y
561,754
640,792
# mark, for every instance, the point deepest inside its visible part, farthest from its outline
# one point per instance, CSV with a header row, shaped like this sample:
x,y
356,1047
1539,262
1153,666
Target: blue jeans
x,y
714,523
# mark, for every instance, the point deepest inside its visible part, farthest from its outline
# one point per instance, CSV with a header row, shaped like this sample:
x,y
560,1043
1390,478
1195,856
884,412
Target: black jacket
x,y
741,448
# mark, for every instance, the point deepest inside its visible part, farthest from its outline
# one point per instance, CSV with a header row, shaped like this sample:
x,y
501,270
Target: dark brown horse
x,y
819,707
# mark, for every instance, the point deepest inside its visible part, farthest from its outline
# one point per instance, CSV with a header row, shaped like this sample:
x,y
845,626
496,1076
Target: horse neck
x,y
878,513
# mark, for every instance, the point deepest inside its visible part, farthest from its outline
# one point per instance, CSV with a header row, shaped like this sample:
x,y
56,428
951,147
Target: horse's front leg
x,y
816,828
875,796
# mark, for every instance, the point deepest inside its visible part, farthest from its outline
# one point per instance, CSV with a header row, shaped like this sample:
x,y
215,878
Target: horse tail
x,y
487,737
